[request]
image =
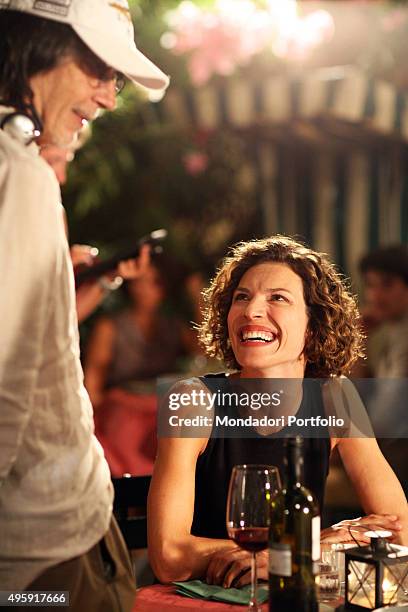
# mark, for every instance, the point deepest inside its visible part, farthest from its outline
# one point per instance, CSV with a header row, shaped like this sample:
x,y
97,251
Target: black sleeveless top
x,y
214,465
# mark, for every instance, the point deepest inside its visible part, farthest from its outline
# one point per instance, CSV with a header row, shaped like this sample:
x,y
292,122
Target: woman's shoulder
x,y
185,414
343,401
187,385
339,384
184,395
216,375
199,381
337,390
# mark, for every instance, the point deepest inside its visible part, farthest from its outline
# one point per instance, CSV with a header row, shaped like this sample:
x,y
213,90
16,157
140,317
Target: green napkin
x,y
200,590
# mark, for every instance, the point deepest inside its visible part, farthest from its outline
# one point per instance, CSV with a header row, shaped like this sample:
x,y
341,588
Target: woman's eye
x,y
240,296
277,297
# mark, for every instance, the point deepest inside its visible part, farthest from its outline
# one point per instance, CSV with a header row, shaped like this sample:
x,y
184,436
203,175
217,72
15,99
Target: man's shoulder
x,y
28,189
16,156
23,170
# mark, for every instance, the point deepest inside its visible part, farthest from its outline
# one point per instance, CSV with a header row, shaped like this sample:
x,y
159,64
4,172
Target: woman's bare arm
x,y
376,484
174,553
98,359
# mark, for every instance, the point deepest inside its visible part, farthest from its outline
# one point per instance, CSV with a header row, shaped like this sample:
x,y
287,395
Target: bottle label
x,y
280,559
315,538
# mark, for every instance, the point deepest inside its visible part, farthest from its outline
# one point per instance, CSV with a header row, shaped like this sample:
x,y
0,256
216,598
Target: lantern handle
x,y
352,537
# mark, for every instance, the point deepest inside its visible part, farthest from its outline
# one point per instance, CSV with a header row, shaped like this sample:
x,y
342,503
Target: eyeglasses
x,y
120,82
101,72
112,75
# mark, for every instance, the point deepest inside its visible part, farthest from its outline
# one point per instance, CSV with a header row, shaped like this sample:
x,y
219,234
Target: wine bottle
x,y
294,539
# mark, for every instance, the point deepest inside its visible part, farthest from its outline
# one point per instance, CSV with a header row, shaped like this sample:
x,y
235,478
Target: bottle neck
x,y
294,460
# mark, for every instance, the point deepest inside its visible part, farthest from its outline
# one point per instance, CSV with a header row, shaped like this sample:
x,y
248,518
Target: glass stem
x,y
253,604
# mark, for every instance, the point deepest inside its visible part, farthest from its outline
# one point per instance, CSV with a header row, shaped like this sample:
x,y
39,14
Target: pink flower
x,y
217,41
305,34
394,20
195,162
229,35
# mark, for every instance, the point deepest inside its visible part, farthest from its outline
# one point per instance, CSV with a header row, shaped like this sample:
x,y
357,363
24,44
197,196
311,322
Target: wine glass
x,y
251,490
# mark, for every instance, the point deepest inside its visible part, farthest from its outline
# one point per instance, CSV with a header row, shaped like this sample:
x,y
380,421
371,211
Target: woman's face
x,y
267,322
147,291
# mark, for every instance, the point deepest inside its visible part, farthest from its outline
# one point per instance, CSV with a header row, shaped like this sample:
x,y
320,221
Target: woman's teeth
x,y
257,336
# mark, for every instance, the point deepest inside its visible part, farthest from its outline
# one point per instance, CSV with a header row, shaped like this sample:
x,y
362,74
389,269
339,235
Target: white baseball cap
x,y
105,26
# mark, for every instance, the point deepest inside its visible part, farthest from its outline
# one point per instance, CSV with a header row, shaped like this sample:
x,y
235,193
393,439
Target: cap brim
x,y
119,55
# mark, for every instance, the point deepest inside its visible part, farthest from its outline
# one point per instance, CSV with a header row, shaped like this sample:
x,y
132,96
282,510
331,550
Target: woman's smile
x,y
256,335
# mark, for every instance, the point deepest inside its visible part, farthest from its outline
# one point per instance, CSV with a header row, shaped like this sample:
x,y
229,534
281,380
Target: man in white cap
x,y
60,62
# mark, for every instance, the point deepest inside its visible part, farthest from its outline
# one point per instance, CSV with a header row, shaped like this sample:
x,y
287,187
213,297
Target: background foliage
x,y
140,171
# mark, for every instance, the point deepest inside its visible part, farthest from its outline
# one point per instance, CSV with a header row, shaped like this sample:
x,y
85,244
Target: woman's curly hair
x,y
334,339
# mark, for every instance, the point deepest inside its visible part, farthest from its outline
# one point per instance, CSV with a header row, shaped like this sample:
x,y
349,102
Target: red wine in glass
x,y
251,490
253,539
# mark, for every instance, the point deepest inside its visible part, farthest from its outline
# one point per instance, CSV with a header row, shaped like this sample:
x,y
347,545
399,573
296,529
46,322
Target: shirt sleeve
x,y
28,261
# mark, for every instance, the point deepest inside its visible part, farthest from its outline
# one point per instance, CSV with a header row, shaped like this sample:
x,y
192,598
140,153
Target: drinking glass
x,y
251,490
329,582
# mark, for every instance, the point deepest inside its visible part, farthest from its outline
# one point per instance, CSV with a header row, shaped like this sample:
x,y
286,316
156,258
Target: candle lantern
x,y
376,576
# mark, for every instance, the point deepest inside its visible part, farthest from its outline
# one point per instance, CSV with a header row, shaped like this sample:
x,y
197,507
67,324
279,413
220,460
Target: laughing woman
x,y
276,309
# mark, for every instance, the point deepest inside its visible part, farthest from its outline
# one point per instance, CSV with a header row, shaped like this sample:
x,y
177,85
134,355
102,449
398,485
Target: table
x,y
163,598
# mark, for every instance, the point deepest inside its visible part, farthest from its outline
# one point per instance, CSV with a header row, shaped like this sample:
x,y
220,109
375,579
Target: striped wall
x,y
328,151
344,92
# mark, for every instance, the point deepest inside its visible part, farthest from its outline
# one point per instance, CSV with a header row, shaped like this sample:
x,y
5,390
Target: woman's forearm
x,y
377,486
392,502
185,558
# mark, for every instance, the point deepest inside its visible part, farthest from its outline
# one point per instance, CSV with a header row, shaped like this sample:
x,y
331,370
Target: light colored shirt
x,y
55,488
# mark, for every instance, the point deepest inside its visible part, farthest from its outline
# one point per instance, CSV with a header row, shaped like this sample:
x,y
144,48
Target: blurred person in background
x,y
125,355
385,312
59,66
91,294
385,315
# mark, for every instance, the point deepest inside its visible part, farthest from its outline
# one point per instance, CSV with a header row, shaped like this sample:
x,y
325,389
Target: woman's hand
x,y
83,254
135,268
355,529
233,567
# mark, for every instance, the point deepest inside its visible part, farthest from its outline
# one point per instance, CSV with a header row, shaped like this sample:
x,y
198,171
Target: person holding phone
x,y
60,63
91,294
